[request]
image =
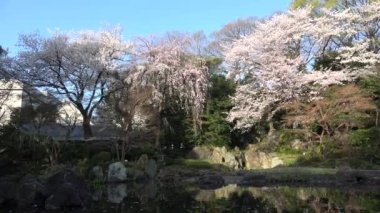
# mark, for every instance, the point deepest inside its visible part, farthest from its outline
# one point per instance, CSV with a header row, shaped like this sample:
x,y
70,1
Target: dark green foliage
x,y
216,130
328,61
72,151
289,135
213,65
37,115
101,158
372,85
28,152
366,143
179,132
220,93
135,152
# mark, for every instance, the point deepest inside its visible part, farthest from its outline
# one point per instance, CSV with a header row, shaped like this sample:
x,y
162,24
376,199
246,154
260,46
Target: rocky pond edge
x,y
67,189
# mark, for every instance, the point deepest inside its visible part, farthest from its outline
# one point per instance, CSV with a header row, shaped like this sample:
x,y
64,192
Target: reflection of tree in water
x,y
175,200
245,202
233,198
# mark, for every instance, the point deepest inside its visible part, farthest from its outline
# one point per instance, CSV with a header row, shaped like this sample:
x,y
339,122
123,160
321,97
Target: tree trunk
x,y
87,131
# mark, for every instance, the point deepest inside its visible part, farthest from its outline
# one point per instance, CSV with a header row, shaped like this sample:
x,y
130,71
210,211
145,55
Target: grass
x,y
289,159
295,172
337,163
197,164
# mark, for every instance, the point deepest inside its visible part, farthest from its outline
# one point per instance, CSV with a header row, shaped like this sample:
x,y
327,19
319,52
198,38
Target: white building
x,y
16,95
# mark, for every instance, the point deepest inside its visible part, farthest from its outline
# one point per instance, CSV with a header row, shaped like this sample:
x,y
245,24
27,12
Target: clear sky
x,y
137,17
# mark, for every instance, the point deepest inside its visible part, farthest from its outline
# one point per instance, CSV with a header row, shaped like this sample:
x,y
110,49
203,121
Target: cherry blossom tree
x,y
177,74
73,65
275,61
331,4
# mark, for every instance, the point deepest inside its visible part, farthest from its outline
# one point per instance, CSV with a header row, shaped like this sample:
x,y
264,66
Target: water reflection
x,y
232,198
116,192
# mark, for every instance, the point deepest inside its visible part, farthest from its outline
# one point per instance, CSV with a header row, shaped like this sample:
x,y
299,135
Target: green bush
x,y
71,152
216,131
366,143
289,135
364,137
101,158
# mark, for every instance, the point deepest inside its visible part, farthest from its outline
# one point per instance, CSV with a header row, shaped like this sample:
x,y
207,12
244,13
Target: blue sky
x,y
137,17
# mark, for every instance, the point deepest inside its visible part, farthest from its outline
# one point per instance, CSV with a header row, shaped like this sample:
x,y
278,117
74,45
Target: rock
x,y
66,189
218,155
220,193
65,196
146,191
30,191
260,160
201,152
211,182
96,173
142,161
8,191
116,192
151,168
97,193
231,161
276,161
273,136
117,172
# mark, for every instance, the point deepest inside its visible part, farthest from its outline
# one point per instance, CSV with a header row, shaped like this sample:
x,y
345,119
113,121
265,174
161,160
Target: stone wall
x,y
237,159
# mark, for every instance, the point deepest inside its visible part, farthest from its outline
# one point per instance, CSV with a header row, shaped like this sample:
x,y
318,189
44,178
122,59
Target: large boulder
x,y
8,191
261,160
30,191
66,189
116,192
117,172
65,195
218,155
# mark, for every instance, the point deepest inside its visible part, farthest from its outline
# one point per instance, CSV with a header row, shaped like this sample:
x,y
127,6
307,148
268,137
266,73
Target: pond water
x,y
233,198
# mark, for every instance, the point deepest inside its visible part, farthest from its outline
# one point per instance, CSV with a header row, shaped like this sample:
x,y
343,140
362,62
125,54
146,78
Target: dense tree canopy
x,y
331,4
290,56
176,73
274,61
76,66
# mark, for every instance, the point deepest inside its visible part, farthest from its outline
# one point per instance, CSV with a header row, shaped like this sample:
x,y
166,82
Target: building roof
x,y
59,132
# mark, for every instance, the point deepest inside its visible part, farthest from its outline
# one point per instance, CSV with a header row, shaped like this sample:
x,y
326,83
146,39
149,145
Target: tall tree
x,y
230,33
73,65
330,4
273,60
176,73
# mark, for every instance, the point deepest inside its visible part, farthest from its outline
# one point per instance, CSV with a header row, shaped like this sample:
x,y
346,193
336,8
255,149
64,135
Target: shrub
x,y
366,143
289,135
100,158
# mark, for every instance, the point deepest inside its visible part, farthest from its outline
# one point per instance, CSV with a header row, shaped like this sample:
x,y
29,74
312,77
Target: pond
x,y
232,198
